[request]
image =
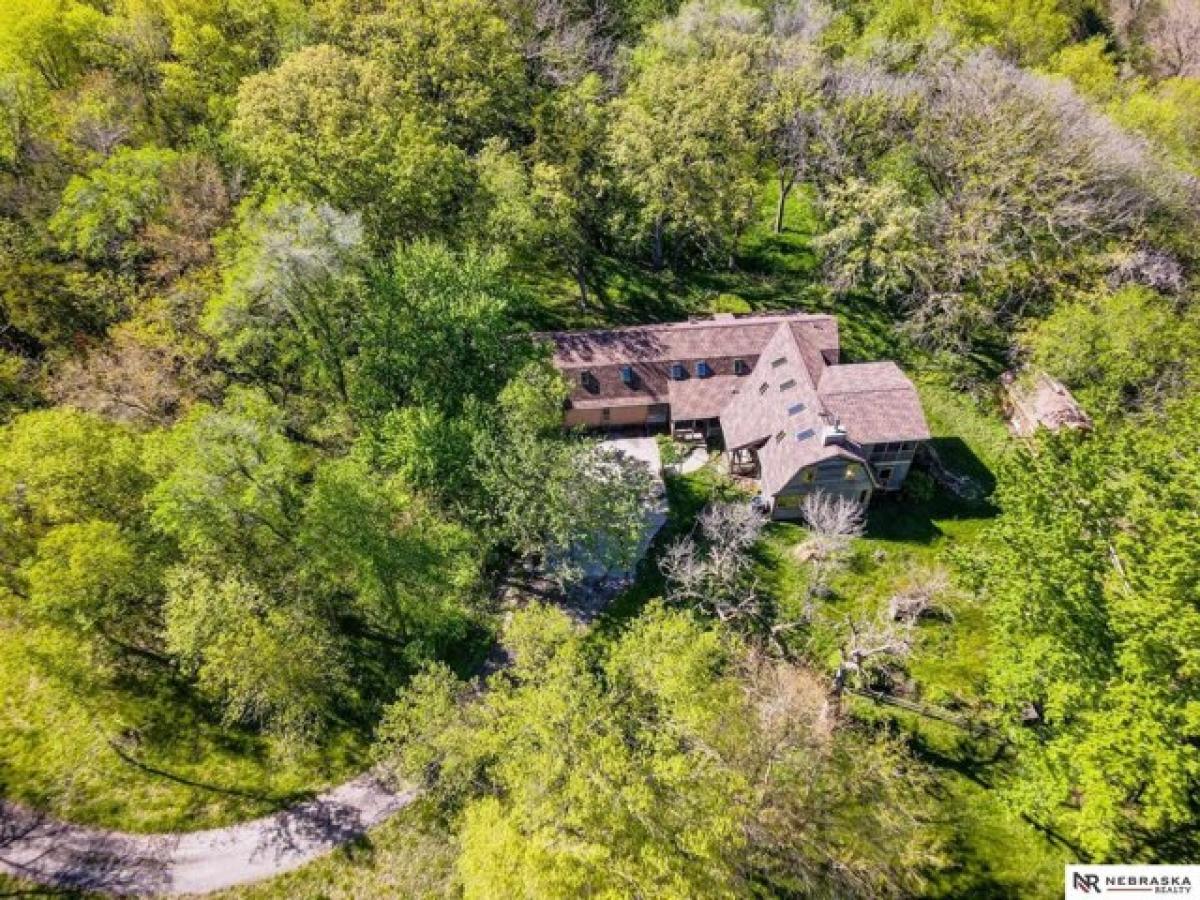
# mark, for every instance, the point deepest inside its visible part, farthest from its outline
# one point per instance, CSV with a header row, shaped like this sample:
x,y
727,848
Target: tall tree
x,y
336,128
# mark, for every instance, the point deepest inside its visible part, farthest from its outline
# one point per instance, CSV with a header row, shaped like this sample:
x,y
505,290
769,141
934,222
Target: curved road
x,y
38,848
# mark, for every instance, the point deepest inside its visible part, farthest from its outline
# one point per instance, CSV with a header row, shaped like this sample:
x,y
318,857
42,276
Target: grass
x,y
177,766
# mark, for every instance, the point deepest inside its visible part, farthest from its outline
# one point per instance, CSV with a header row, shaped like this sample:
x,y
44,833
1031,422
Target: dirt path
x,y
38,848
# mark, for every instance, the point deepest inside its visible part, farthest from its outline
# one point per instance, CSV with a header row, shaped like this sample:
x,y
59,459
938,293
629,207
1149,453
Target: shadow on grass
x,y
687,495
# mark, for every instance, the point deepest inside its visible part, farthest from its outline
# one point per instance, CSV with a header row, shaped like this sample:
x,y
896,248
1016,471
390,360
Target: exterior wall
x,y
828,476
618,416
893,461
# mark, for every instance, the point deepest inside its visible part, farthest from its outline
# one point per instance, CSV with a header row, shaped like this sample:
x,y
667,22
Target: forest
x,y
277,438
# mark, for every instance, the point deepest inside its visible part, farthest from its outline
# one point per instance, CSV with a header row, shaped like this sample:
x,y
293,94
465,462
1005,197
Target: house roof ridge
x,y
765,318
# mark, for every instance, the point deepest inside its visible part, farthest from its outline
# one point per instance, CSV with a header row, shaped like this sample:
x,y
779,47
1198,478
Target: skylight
x,y
805,434
778,361
788,385
795,409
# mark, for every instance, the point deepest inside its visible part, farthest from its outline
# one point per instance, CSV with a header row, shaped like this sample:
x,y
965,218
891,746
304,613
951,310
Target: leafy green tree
x,y
338,129
55,303
229,483
53,38
273,663
409,573
292,273
1090,582
574,503
75,549
683,140
1025,31
458,60
548,201
213,46
1168,113
102,210
648,771
94,579
1113,368
437,328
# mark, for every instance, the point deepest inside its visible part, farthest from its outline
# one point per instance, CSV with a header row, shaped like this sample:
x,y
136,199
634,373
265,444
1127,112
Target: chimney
x,y
833,433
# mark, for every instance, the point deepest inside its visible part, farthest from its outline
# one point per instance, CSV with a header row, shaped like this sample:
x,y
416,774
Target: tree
x,y
101,212
577,505
548,201
53,39
75,549
95,579
1113,370
671,767
1090,584
212,47
292,275
717,575
683,141
1173,36
229,483
410,574
458,60
438,328
335,128
273,663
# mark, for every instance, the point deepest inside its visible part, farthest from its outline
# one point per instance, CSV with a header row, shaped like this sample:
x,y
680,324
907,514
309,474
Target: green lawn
x,y
138,757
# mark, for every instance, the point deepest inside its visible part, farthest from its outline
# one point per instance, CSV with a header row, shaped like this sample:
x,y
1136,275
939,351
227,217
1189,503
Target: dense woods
x,y
273,427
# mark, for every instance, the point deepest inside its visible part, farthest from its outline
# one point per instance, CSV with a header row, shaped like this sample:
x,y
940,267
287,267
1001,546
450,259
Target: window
x,y
762,388
810,475
589,382
778,361
627,375
740,367
908,445
787,501
788,385
703,369
606,414
795,409
678,371
885,475
851,472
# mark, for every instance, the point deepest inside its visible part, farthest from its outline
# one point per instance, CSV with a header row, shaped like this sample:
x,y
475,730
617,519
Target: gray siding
x,y
828,476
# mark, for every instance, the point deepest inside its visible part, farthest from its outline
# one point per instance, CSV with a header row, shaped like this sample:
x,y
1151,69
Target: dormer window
x,y
703,369
627,376
740,367
678,371
589,382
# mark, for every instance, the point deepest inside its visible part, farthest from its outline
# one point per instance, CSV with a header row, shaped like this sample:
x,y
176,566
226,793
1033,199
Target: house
x,y
1035,400
772,386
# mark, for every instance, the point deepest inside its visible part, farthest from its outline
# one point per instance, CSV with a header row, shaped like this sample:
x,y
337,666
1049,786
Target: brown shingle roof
x,y
702,398
875,403
679,341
